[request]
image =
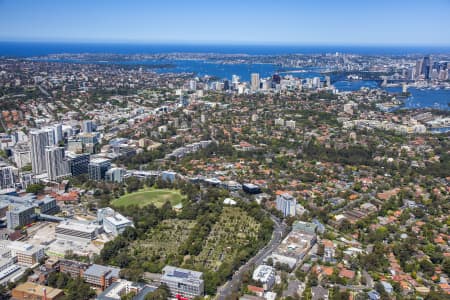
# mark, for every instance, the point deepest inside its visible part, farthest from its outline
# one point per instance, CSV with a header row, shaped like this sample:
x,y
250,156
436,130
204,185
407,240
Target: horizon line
x,y
220,43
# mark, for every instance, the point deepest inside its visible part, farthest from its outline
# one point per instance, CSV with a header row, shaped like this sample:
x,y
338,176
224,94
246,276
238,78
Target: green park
x,y
148,196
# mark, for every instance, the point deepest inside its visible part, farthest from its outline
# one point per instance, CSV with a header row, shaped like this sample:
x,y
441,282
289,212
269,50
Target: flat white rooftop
x,y
118,220
78,226
262,273
99,160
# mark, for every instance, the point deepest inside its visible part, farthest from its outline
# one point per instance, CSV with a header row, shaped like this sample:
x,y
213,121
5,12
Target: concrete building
x,y
286,204
8,175
290,124
89,138
112,221
74,145
33,291
78,163
98,167
21,155
279,122
73,268
255,82
87,126
265,275
7,264
122,287
319,293
115,175
22,211
183,282
39,140
19,216
57,166
305,227
251,188
76,230
101,276
293,248
23,253
168,176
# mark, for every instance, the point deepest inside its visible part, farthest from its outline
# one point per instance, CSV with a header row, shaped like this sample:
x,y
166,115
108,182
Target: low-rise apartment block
x,y
101,276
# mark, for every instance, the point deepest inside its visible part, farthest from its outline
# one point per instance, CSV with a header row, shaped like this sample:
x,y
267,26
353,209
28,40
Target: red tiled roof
x,y
255,289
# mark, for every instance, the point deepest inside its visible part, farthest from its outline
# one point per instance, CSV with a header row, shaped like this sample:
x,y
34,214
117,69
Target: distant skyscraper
x,y
39,140
418,68
226,85
276,78
426,67
57,166
328,81
88,126
286,204
192,85
255,82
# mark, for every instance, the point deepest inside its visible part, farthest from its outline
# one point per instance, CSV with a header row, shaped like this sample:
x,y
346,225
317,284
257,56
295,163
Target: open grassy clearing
x,y
149,196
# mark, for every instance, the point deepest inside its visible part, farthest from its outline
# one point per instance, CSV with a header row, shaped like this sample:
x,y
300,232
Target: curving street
x,y
225,291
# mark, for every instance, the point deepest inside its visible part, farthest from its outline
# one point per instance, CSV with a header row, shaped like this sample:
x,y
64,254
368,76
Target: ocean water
x,y
25,49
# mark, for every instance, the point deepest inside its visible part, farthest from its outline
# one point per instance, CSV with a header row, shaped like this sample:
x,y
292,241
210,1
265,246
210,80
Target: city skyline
x,y
253,22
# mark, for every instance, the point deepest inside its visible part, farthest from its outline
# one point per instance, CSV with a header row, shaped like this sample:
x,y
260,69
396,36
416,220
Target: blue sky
x,y
363,22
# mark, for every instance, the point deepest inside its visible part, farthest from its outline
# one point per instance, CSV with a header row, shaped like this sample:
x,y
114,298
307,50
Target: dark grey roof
x,y
141,295
99,270
319,292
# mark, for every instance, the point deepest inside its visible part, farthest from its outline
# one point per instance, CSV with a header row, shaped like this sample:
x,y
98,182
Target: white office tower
x,y
7,177
88,126
266,84
57,166
58,133
328,81
286,204
39,140
192,85
255,82
67,130
115,174
316,82
235,82
51,133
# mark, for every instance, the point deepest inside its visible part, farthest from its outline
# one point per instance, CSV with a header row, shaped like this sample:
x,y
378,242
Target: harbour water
x,y
428,98
432,98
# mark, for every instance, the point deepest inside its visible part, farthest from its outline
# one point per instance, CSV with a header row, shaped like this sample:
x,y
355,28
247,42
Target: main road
x,y
225,291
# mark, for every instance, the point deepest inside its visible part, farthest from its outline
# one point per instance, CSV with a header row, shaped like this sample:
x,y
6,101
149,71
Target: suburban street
x,y
225,291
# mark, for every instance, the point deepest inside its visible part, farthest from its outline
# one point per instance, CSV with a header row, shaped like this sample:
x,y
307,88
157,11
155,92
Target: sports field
x,y
149,196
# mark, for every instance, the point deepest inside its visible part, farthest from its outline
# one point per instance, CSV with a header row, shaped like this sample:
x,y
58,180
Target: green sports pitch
x,y
145,197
